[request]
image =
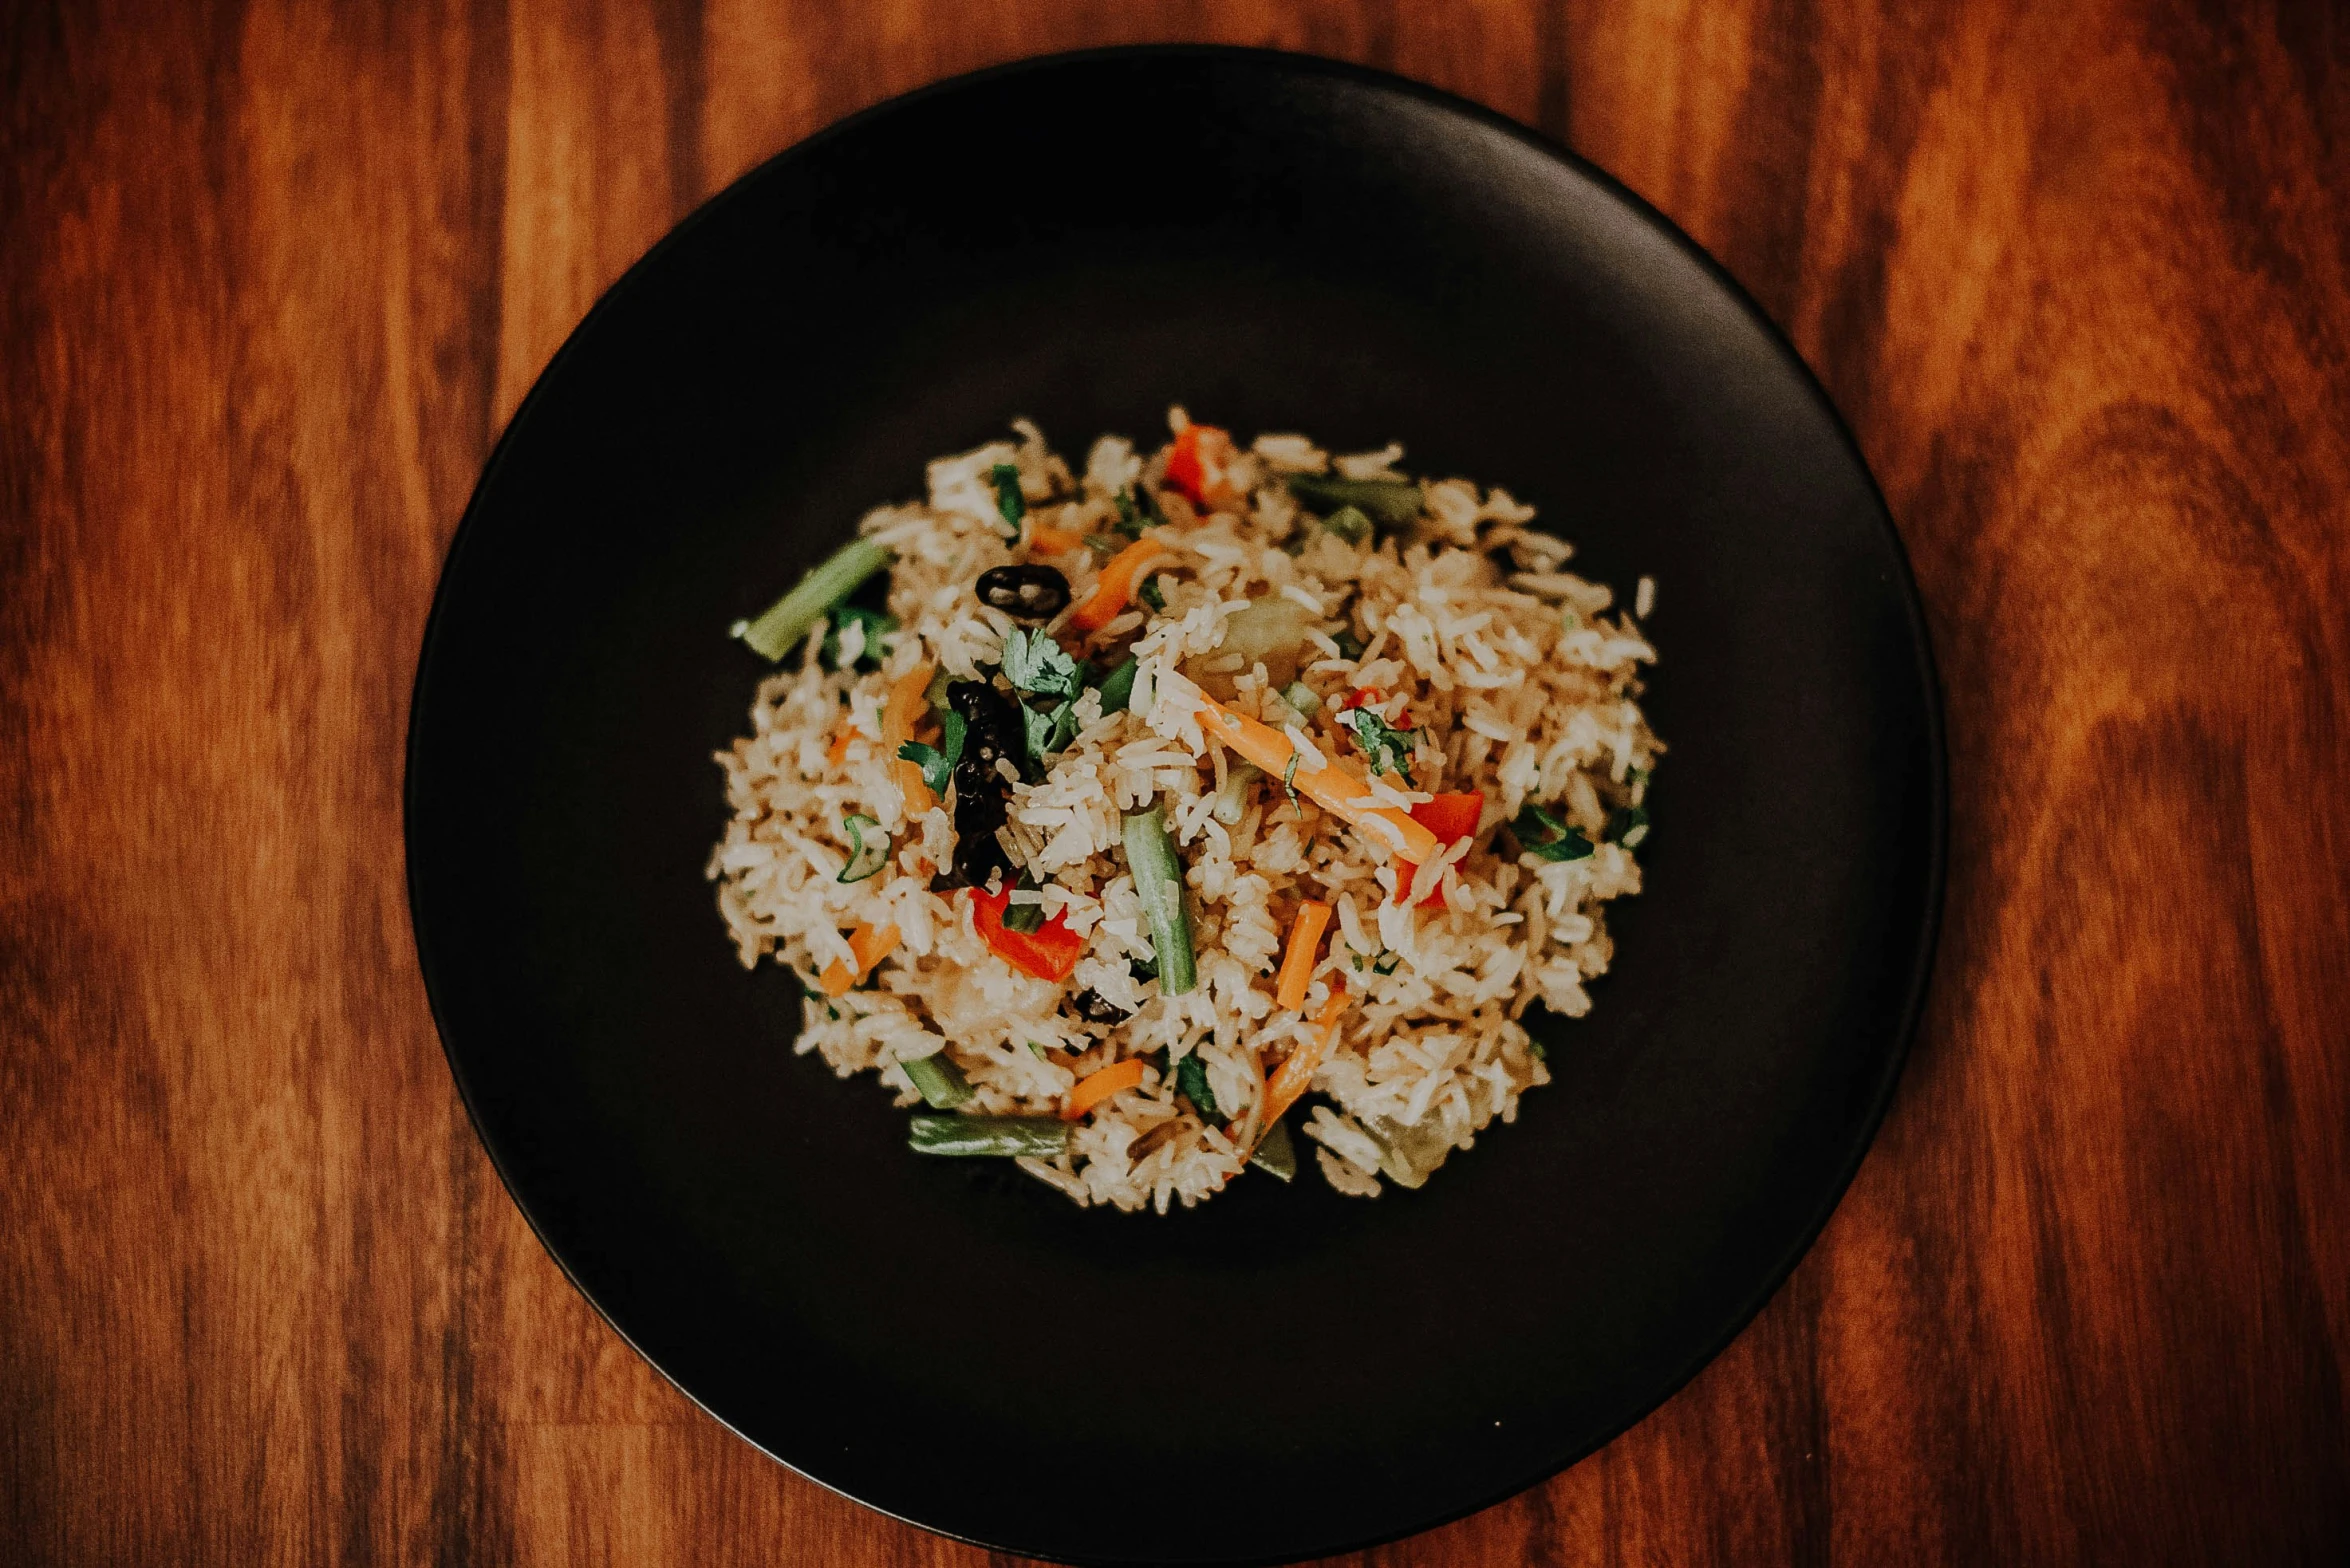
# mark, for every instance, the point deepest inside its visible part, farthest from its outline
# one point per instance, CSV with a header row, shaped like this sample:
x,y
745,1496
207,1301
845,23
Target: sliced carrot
x,y
1331,788
1291,1079
908,700
1297,964
870,945
1095,1087
1051,541
838,752
1115,590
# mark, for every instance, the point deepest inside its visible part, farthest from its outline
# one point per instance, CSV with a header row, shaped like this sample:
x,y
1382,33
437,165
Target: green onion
x,y
1232,800
1301,699
1349,645
1003,1137
1386,963
1627,825
1274,1154
1010,504
1119,687
777,632
939,1081
1158,880
1191,1077
1027,919
1289,775
1391,503
1149,593
1350,523
868,848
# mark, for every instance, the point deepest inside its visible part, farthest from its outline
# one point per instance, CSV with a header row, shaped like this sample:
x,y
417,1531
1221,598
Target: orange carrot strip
x,y
1331,788
870,945
1291,1078
1297,964
1115,590
907,701
1051,541
838,752
1095,1087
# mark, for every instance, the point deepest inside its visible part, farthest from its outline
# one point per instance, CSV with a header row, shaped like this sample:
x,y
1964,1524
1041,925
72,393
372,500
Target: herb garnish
x,y
1384,744
877,625
1542,835
938,763
1010,504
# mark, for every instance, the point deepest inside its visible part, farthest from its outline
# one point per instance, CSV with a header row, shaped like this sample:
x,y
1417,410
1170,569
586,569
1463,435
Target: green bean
x,y
1039,1137
777,632
1158,881
1391,503
938,1080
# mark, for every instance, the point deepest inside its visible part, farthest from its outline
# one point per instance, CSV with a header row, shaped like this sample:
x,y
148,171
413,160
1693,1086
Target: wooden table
x,y
272,279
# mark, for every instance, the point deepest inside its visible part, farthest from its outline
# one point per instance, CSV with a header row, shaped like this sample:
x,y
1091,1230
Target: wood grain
x,y
271,277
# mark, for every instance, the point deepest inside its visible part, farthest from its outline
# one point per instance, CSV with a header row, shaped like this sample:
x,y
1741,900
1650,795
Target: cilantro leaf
x,y
1010,504
1384,744
1137,510
1050,732
1035,664
876,625
938,765
1191,1076
1542,835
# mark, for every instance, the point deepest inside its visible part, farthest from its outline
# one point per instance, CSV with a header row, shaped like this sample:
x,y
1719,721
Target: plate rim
x,y
1921,967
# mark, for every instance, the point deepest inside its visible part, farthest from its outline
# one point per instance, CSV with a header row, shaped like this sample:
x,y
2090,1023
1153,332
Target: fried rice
x,y
1429,644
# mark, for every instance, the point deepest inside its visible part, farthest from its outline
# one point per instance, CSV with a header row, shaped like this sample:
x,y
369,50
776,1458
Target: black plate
x,y
1279,244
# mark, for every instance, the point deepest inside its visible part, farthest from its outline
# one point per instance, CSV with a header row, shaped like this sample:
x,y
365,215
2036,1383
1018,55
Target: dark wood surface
x,y
272,277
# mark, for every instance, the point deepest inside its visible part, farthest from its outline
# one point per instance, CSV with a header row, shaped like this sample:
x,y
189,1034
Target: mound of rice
x,y
1514,681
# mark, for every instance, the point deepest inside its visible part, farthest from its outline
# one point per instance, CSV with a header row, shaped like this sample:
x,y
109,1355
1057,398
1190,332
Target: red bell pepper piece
x,y
1049,952
1451,818
1196,466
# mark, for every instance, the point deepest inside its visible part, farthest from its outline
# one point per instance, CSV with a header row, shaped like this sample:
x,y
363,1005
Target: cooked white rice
x,y
1519,685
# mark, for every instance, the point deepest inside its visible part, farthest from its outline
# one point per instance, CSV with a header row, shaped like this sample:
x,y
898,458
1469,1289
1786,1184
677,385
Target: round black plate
x,y
1279,244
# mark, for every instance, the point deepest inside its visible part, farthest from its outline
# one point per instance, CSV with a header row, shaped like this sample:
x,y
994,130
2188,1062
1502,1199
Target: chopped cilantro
x,y
1542,835
938,764
1010,504
876,625
1191,1076
1138,509
1050,732
1035,665
1118,686
1385,745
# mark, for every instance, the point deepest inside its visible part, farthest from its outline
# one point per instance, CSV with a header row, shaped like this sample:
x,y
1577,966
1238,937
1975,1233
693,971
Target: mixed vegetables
x,y
962,743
